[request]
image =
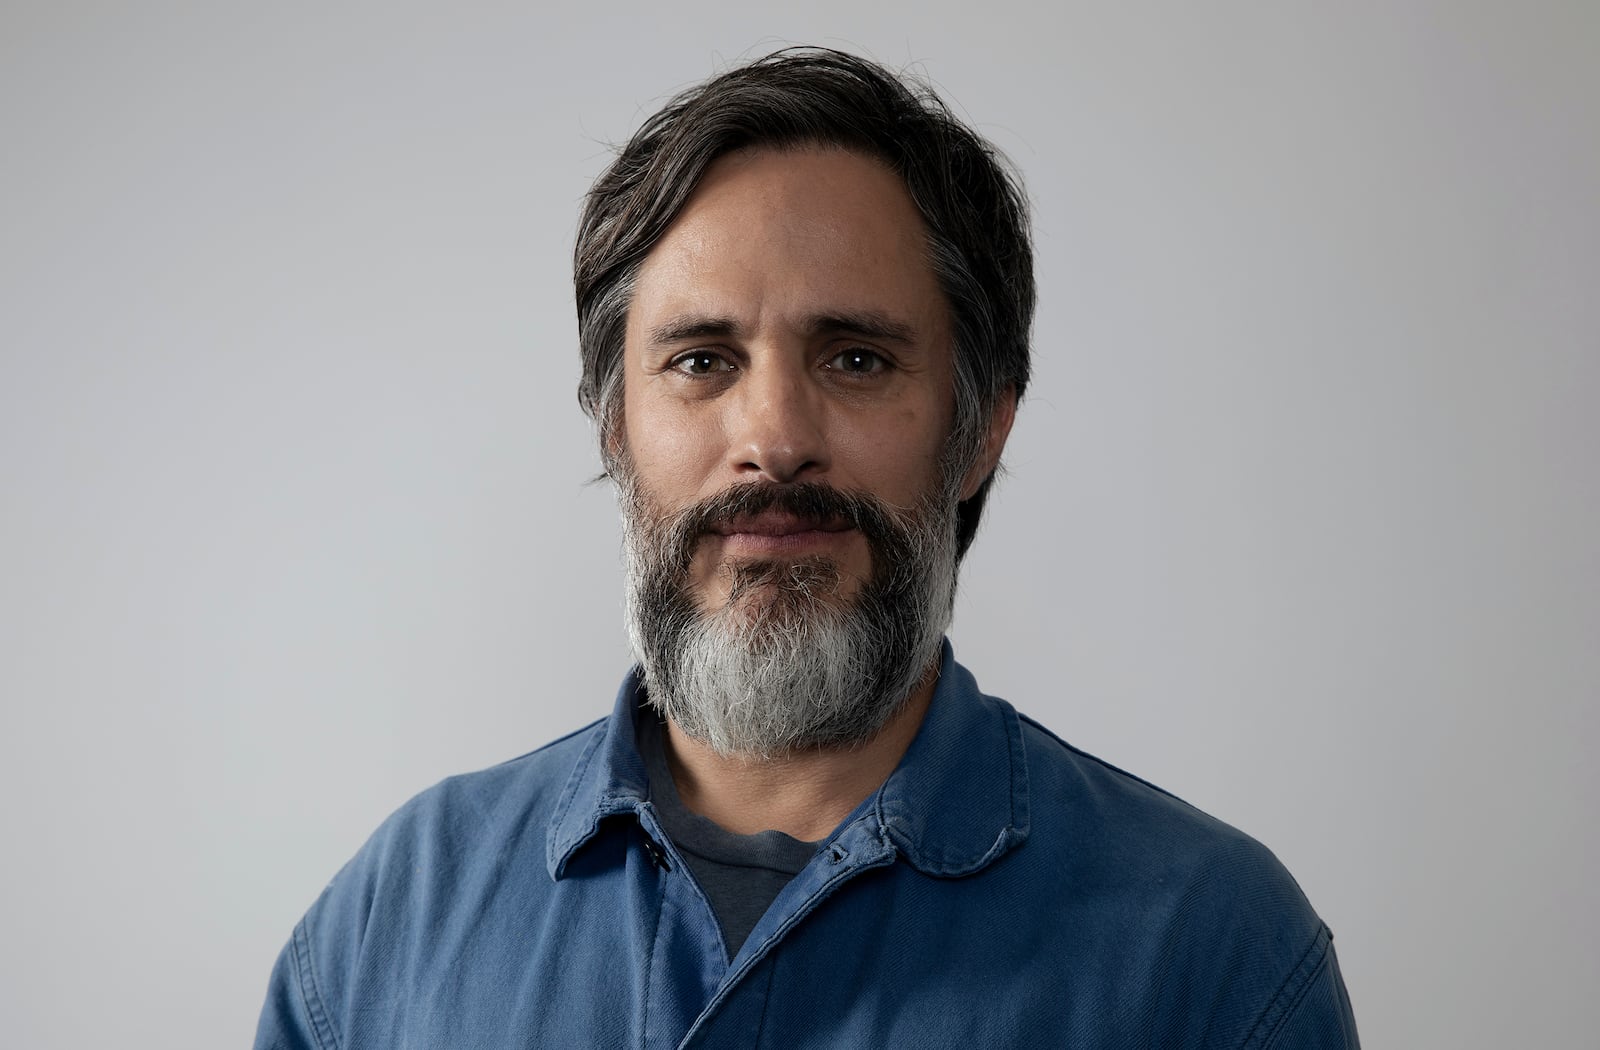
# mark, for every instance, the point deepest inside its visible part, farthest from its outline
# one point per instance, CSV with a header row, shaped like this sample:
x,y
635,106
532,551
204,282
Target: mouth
x,y
778,523
779,532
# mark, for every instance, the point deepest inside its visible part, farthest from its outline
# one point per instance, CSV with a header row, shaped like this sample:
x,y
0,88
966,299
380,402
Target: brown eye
x,y
700,363
858,361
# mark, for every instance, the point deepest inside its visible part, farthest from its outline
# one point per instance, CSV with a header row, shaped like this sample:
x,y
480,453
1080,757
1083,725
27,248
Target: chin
x,y
780,593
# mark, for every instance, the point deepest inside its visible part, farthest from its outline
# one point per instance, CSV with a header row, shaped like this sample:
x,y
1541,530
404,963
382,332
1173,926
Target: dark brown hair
x,y
973,207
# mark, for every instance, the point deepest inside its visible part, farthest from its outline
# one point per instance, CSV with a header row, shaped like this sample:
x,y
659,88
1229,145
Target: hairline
x,y
611,398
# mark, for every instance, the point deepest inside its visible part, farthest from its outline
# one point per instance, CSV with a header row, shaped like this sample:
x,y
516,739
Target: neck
x,y
804,794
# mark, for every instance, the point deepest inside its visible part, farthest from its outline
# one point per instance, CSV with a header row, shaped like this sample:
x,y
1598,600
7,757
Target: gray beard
x,y
786,664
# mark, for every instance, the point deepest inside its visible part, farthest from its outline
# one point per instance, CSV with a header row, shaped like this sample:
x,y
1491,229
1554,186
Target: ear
x,y
994,442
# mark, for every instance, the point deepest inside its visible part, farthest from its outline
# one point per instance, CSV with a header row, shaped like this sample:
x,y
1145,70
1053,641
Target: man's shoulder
x,y
1096,788
469,845
517,793
458,828
1120,832
1183,899
457,832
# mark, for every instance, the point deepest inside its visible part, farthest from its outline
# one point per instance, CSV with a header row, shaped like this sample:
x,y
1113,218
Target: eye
x,y
701,363
858,361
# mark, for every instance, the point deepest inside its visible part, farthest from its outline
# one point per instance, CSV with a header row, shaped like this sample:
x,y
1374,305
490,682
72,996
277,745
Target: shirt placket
x,y
687,962
733,1016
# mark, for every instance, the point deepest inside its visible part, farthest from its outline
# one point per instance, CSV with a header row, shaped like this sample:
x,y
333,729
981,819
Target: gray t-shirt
x,y
741,875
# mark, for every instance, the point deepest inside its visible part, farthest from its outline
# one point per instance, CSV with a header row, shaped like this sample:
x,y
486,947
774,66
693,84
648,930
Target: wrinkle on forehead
x,y
797,233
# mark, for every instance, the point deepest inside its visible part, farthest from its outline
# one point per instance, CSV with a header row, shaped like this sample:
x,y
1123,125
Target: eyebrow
x,y
871,324
693,326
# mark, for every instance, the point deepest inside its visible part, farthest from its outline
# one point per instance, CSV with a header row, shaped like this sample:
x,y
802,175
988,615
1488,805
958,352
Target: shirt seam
x,y
1109,766
766,1001
649,967
1290,994
310,994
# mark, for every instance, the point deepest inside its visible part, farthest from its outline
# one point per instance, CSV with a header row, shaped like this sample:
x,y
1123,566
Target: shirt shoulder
x,y
1204,912
424,870
486,809
1079,798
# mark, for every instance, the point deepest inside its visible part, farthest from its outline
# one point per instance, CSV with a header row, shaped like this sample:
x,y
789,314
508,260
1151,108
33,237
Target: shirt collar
x,y
957,801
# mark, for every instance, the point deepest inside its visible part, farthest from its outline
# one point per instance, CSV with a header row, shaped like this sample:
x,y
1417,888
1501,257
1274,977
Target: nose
x,y
778,431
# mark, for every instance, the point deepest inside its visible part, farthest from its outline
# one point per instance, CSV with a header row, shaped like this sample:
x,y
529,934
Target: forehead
x,y
775,234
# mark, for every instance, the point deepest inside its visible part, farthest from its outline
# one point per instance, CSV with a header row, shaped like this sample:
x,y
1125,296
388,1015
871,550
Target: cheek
x,y
672,447
900,451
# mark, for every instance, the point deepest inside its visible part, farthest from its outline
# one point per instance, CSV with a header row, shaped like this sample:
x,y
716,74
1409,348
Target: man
x,y
804,296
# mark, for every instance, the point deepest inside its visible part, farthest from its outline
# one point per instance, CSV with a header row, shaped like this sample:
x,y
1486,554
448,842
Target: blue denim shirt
x,y
1001,889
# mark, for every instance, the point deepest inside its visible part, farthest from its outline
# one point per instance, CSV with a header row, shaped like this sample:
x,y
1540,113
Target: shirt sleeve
x,y
1312,1009
293,1017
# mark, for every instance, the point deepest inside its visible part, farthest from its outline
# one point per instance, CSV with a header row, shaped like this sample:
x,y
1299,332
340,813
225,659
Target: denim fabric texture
x,y
1002,889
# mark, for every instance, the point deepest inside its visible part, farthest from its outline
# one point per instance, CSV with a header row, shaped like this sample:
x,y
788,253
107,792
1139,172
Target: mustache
x,y
680,533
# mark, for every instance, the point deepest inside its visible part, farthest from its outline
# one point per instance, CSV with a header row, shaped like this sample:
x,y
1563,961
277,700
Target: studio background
x,y
1301,518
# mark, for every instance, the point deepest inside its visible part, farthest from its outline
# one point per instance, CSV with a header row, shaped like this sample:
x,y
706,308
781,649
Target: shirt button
x,y
658,857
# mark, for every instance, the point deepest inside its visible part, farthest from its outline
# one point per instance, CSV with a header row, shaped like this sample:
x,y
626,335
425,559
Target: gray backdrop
x,y
1301,520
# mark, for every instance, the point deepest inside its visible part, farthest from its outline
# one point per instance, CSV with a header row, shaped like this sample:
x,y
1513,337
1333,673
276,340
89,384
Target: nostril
x,y
781,465
778,429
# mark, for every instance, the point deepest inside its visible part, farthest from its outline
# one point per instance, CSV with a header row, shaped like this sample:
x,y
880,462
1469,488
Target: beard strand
x,y
785,663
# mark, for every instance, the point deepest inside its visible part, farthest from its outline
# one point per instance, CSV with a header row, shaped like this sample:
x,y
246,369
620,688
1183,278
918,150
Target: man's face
x,y
788,328
788,499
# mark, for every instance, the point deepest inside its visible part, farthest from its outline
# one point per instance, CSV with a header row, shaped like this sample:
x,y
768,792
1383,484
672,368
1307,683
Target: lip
x,y
777,525
779,533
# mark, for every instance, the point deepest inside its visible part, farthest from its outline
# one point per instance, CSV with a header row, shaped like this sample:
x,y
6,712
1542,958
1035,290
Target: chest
x,y
624,951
